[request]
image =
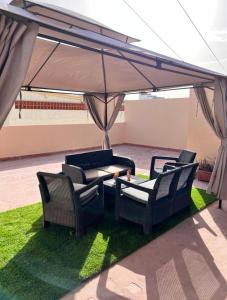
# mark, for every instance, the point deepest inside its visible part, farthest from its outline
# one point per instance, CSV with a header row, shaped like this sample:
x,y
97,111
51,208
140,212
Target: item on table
x,y
129,174
116,174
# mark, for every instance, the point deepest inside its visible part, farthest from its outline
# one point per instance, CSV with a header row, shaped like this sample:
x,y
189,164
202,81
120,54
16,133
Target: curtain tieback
x,y
224,142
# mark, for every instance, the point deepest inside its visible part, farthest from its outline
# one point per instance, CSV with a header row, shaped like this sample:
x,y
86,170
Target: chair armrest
x,y
120,181
168,167
124,161
156,157
176,164
171,166
95,182
44,194
76,174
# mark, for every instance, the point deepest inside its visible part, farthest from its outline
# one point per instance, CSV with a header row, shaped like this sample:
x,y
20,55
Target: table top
x,y
133,179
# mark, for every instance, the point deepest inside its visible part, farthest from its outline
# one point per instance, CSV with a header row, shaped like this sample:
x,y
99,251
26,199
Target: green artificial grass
x,y
45,264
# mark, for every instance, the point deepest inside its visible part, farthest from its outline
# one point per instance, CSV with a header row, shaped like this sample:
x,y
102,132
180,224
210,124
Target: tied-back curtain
x,y
218,122
16,44
104,110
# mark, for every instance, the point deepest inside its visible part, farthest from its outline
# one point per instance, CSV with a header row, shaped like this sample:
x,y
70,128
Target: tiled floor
x,y
18,179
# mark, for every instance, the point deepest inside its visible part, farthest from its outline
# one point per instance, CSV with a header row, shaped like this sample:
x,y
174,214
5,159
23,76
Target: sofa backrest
x,y
90,160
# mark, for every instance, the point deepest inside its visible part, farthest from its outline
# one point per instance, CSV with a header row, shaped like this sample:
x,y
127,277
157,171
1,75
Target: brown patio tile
x,y
187,262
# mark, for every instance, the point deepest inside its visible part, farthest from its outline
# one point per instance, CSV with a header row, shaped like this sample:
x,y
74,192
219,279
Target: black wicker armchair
x,y
148,203
70,204
182,197
185,157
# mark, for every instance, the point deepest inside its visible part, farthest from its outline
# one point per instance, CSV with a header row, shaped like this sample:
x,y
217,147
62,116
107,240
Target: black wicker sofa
x,y
86,167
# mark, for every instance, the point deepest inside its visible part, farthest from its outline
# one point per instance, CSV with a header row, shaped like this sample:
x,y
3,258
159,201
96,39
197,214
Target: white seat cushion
x,y
138,195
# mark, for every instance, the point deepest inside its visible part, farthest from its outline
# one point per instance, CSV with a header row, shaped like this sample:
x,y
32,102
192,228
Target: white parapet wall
x,y
43,130
201,137
45,116
157,123
16,141
166,123
170,123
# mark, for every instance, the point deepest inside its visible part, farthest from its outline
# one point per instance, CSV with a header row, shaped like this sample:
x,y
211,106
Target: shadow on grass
x,y
46,264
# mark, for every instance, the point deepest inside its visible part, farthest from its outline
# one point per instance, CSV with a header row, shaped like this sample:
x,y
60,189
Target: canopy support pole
x,y
220,203
106,112
138,71
44,63
105,103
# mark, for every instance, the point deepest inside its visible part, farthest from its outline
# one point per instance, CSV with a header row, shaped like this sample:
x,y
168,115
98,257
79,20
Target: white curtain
x,y
16,45
104,110
218,122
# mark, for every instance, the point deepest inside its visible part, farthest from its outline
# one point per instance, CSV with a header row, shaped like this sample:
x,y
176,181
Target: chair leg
x,y
220,203
46,224
117,218
101,218
147,228
80,232
116,210
188,209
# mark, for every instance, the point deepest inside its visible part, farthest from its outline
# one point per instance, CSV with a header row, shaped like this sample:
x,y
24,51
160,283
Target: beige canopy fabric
x,y
59,66
16,45
104,110
218,122
73,58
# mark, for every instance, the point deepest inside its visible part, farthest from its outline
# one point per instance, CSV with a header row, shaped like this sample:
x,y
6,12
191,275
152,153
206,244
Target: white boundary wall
x,y
166,123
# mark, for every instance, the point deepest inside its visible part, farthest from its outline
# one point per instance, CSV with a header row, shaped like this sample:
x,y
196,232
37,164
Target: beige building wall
x,y
51,117
167,123
170,123
47,131
201,137
28,140
157,123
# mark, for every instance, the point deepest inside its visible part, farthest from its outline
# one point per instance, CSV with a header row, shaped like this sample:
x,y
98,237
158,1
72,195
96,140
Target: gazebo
x,y
44,47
